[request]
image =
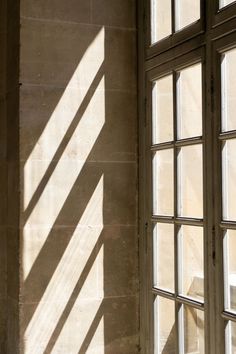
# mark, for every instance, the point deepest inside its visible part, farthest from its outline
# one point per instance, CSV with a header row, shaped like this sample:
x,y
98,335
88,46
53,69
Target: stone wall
x,y
9,176
78,177
3,248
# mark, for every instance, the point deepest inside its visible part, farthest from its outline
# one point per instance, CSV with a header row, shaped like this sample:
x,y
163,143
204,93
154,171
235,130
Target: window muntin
x,y
227,143
215,39
177,189
165,22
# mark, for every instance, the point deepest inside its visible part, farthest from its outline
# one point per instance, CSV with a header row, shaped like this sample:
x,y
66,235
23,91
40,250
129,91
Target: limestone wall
x,y
78,166
9,176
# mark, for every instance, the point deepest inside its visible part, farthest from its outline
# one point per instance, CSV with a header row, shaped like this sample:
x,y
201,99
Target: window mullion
x,y
210,315
217,327
177,305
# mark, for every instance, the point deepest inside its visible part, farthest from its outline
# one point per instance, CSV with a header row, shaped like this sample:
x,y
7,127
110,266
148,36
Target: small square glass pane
x,y
228,91
163,183
186,12
191,264
224,3
190,181
164,326
162,110
163,256
189,102
191,330
230,270
230,338
161,21
228,179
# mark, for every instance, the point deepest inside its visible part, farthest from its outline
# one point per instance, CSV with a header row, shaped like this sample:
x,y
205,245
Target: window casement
x,y
187,95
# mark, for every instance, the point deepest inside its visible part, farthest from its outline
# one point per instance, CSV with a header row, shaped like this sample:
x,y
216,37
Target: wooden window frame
x,y
175,38
205,41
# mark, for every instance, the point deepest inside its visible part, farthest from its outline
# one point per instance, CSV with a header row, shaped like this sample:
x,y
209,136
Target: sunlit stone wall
x,y
78,164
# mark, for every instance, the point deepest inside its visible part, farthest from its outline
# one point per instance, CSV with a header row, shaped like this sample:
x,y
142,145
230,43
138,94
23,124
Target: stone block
x,y
13,284
98,125
3,194
66,198
92,326
3,320
119,268
72,129
114,13
13,189
50,270
48,57
3,130
12,326
3,266
120,59
70,11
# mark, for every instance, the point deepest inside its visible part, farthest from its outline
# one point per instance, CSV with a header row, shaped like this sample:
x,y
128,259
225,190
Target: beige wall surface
x,y
78,177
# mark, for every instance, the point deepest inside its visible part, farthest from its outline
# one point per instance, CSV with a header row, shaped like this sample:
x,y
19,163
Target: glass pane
x,y
225,2
228,179
162,110
192,331
163,249
187,12
189,102
161,26
228,89
163,183
164,326
230,338
190,186
230,270
190,257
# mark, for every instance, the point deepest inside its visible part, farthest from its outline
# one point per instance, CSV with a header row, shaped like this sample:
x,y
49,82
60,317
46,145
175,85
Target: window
x,y
188,177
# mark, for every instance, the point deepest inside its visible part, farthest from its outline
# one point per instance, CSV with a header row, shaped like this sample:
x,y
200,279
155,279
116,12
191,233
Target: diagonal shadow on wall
x,y
113,166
